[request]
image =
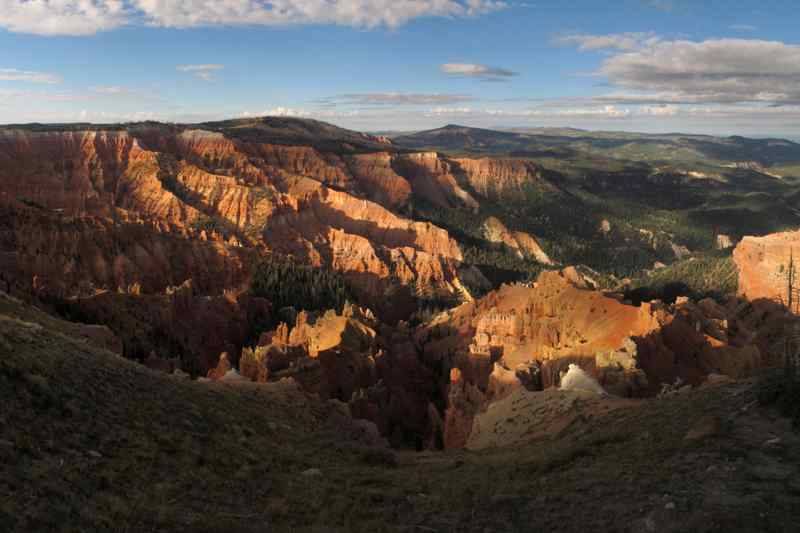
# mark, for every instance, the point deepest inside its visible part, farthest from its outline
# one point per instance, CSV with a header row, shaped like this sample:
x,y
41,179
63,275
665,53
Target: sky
x,y
696,66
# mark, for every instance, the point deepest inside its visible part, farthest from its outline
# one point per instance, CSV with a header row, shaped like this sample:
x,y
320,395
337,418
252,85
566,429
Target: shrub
x,y
783,392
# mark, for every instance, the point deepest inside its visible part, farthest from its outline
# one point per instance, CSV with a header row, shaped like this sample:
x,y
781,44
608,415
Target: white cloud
x,y
614,41
63,17
394,98
719,71
86,17
595,112
204,72
286,112
450,111
659,110
474,70
12,74
108,89
300,113
359,13
646,69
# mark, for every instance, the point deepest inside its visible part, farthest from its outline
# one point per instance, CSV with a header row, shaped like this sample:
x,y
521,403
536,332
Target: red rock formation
x,y
253,366
333,355
238,192
525,245
72,170
432,178
378,179
365,241
503,179
763,264
83,255
222,368
464,400
528,335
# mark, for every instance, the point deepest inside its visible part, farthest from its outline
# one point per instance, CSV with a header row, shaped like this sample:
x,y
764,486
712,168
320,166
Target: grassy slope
x,y
709,275
91,442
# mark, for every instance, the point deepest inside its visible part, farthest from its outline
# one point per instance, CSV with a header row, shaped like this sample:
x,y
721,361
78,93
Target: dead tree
x,y
791,284
791,341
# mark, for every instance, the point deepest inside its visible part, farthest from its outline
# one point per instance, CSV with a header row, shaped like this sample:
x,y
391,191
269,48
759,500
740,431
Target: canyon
x,y
269,321
154,233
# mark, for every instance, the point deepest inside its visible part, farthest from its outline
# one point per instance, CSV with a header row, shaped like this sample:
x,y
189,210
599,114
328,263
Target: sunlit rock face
x,y
529,335
764,265
153,183
432,178
502,179
523,243
328,207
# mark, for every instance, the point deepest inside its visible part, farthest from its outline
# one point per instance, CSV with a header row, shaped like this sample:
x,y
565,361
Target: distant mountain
x,y
297,132
670,148
462,138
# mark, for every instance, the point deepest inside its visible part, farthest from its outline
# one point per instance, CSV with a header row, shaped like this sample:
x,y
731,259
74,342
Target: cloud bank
x,y
86,17
647,69
394,98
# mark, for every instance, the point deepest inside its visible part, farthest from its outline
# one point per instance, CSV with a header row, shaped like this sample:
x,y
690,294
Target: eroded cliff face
x,y
503,179
48,254
432,179
74,171
523,243
378,179
353,358
764,265
107,223
327,209
527,336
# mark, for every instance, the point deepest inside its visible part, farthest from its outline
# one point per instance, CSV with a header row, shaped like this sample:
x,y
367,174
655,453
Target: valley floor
x,y
92,442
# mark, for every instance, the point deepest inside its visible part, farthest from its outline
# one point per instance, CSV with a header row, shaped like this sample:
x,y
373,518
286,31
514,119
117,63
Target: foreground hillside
x,y
89,441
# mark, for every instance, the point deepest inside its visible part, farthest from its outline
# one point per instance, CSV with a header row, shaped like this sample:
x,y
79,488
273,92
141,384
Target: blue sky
x,y
648,65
